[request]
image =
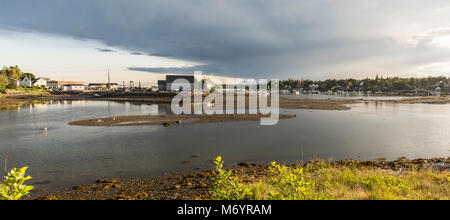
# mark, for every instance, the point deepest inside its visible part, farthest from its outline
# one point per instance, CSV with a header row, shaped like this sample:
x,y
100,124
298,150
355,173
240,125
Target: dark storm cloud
x,y
136,53
246,38
185,70
104,50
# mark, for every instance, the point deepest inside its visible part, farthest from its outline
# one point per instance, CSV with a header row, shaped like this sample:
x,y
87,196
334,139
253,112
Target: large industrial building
x,y
166,85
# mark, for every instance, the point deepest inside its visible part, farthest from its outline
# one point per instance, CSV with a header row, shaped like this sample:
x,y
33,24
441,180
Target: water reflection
x,y
67,155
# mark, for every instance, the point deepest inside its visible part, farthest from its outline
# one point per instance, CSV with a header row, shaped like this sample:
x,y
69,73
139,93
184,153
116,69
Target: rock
x,y
438,166
122,197
380,159
107,181
48,198
179,122
81,187
402,159
185,161
141,195
110,186
247,164
196,155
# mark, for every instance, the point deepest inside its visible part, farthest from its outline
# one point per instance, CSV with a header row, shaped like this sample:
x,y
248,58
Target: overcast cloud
x,y
290,38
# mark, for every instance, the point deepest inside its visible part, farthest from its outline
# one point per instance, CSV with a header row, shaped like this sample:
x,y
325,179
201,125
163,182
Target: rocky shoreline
x,y
194,186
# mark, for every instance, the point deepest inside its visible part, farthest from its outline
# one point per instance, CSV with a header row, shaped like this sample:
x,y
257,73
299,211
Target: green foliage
x,y
3,82
30,75
385,187
380,187
292,184
226,187
289,183
7,75
13,72
13,187
379,84
320,180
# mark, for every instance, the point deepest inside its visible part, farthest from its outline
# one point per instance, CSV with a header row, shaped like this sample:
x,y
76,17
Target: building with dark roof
x,y
174,80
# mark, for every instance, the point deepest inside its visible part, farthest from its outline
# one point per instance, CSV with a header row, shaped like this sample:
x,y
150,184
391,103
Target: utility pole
x,y
109,79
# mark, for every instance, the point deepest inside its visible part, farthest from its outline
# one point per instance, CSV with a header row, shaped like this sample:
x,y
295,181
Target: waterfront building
x,y
26,82
72,88
40,82
57,85
103,86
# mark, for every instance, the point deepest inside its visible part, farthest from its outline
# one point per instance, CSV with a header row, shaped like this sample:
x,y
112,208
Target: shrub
x,y
13,187
322,181
289,184
379,186
385,187
226,187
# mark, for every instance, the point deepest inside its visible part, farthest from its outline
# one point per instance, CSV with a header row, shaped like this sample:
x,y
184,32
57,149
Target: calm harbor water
x,y
65,155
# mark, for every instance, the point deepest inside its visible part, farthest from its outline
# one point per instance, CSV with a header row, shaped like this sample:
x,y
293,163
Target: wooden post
x,y
6,161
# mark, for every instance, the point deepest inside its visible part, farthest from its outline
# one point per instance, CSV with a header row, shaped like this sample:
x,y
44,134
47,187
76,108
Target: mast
x,y
109,79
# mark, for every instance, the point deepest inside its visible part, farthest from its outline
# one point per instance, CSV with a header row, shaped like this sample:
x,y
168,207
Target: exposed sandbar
x,y
167,120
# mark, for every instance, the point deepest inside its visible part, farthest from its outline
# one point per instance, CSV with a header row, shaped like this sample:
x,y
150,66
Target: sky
x,y
142,40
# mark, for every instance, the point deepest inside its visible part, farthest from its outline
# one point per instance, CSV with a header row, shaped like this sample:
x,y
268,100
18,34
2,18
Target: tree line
x,y
8,75
378,84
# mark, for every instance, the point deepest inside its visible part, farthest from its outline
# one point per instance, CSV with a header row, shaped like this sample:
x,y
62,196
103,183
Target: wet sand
x,y
167,120
317,104
426,100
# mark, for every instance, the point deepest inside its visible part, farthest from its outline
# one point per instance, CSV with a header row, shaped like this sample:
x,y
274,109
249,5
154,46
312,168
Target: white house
x,y
26,82
313,87
40,82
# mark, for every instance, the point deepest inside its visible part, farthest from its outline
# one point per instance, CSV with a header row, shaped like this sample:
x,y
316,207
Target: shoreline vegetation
x,y
14,98
346,179
379,85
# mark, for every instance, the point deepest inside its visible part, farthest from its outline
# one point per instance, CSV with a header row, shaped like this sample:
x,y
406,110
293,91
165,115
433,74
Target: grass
x,y
6,105
29,91
8,102
327,181
350,183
